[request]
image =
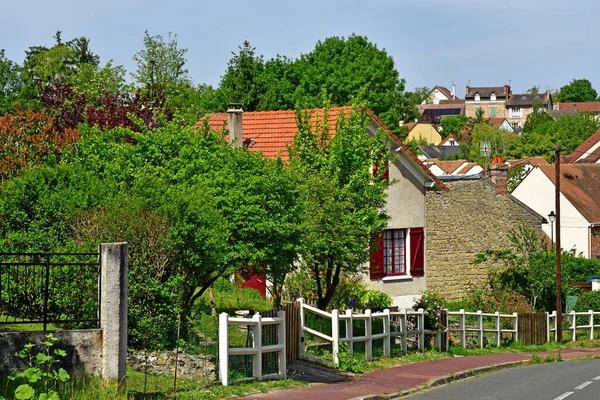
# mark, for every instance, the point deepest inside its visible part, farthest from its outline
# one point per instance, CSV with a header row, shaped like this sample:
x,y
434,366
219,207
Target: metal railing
x,y
50,288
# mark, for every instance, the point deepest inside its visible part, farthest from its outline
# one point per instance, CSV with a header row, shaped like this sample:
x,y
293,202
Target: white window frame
x,y
395,250
493,97
477,97
516,112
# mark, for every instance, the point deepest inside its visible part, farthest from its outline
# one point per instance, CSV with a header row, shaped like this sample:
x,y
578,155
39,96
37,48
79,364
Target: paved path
x,y
391,381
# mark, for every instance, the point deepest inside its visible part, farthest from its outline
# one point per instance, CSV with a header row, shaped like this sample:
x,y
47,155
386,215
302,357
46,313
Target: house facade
x,y
519,106
579,203
440,94
423,131
398,266
474,216
491,100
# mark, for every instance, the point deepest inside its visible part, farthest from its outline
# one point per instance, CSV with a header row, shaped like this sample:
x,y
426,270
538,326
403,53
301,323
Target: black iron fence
x,y
49,290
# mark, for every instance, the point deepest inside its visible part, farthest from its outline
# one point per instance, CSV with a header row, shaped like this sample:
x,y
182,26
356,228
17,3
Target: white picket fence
x,y
571,319
395,324
256,349
479,326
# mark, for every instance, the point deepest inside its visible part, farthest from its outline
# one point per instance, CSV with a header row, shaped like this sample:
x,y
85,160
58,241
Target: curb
x,y
442,381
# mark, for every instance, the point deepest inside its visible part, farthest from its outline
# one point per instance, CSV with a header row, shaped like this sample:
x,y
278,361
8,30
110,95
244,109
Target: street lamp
x,y
552,217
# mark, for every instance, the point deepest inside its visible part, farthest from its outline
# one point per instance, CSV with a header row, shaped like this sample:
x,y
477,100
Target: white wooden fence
x,y
395,324
256,350
571,319
479,326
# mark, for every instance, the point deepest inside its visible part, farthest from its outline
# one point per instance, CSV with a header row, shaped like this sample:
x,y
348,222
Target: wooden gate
x,y
533,328
292,329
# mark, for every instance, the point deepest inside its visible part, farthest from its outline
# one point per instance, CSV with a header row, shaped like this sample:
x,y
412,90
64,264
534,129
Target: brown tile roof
x,y
448,166
467,168
533,161
495,122
444,90
453,101
442,106
273,131
580,184
410,125
592,106
583,148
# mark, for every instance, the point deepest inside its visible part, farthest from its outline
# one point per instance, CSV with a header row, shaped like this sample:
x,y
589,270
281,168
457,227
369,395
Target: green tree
x,y
533,90
343,67
537,117
343,202
241,83
93,81
489,142
453,124
578,90
11,84
160,64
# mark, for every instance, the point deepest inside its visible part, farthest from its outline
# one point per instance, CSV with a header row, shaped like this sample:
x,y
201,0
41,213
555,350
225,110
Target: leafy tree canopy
x,y
578,90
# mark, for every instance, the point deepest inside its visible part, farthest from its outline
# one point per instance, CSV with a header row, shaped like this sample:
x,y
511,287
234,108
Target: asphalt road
x,y
572,380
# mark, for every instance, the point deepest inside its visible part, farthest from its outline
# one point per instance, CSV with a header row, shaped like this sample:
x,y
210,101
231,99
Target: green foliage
x,y
588,301
94,81
578,90
538,117
432,304
241,83
40,380
498,140
351,361
453,124
413,144
160,64
230,297
342,202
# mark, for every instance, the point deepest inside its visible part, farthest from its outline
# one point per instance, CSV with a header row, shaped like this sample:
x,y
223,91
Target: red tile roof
x,y
580,184
583,148
448,166
411,125
467,168
446,139
273,131
444,90
495,122
592,106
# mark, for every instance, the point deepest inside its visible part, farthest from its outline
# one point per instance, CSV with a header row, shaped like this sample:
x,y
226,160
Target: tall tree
x,y
577,90
11,83
240,84
343,202
343,67
160,64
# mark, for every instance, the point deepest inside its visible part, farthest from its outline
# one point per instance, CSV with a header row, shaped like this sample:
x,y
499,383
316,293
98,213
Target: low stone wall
x,y
189,366
83,347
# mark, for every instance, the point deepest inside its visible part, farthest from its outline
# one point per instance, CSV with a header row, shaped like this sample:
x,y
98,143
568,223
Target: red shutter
x,y
417,253
376,267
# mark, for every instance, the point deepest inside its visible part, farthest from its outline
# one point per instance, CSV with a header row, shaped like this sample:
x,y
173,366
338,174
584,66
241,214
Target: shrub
x,y
588,301
432,303
489,300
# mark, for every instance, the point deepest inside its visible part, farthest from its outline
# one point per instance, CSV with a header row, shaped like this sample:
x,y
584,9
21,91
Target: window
x,y
493,97
475,110
398,252
493,111
477,97
394,252
516,113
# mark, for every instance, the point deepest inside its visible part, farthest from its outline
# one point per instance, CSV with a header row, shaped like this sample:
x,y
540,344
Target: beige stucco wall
x,y
406,208
425,131
469,219
486,107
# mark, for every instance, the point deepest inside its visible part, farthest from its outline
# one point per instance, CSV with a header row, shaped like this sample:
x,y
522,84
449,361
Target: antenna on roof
x,y
509,81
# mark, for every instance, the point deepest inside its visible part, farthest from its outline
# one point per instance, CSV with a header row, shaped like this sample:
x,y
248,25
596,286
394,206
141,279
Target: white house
x,y
579,203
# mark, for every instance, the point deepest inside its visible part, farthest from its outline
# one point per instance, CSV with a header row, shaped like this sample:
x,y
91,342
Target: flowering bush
x,y
432,304
489,300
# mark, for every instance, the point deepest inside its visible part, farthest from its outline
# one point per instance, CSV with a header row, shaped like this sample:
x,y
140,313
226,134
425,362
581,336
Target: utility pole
x,y
558,248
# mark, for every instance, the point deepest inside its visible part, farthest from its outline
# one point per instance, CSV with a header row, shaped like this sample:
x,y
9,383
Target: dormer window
x,y
493,97
477,97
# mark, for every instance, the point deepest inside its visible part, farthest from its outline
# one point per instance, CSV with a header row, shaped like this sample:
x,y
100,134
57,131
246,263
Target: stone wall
x,y
486,106
189,366
469,219
83,347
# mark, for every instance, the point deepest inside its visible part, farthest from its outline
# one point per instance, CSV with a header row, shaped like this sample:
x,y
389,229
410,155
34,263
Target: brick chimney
x,y
467,89
234,116
497,172
507,91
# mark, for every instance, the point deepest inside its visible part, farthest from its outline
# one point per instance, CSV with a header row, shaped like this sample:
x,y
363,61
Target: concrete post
x,y
386,330
282,354
369,335
224,348
113,310
335,336
301,341
349,330
257,345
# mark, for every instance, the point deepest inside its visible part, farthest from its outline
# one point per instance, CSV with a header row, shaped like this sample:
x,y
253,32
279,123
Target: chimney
x,y
507,91
453,90
234,114
468,88
497,172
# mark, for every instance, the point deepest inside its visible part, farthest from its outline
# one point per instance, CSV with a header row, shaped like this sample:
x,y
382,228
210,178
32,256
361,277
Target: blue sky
x,y
433,42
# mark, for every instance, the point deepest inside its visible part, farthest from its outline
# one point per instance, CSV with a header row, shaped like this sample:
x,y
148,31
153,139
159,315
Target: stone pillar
x,y
113,310
234,116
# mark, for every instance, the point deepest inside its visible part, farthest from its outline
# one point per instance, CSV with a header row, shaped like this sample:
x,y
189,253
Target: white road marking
x,y
584,384
563,396
597,378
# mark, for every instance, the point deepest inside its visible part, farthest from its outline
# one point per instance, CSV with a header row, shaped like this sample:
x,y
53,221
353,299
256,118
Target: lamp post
x,y
552,217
